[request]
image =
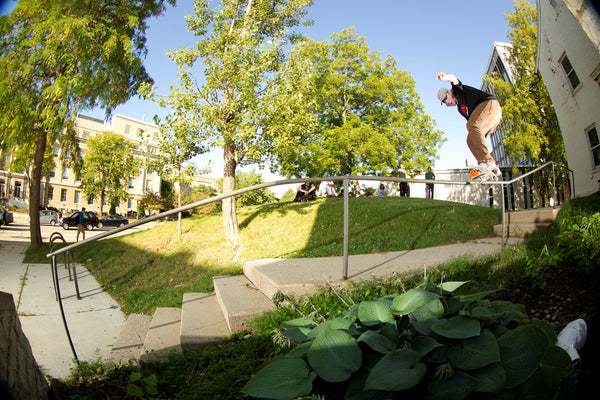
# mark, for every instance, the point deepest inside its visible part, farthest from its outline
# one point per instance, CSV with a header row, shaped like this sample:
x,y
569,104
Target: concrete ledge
x,y
240,300
202,321
129,344
163,334
521,230
538,215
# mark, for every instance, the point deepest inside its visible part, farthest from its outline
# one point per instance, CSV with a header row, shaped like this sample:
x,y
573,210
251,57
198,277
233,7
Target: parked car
x,y
6,216
47,217
90,220
112,220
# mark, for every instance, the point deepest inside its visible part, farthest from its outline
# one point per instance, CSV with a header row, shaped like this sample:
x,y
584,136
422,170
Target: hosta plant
x,y
424,343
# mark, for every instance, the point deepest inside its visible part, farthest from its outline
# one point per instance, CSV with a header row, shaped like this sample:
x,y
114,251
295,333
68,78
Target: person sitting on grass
x,y
306,192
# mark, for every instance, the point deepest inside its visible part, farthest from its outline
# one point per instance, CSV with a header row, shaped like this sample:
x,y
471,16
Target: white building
x,y
568,59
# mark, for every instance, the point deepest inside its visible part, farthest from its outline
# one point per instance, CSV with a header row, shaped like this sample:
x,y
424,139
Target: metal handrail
x,y
56,239
345,179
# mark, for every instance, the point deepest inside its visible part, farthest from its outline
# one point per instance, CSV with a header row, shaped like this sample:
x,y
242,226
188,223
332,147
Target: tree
x,y
60,57
108,164
369,119
255,197
177,145
240,48
526,105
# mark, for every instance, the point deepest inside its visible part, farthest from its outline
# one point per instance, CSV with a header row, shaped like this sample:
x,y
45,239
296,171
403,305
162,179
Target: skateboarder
x,y
483,114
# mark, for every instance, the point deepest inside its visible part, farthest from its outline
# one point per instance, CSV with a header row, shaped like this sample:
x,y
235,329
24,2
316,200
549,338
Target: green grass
x,y
153,268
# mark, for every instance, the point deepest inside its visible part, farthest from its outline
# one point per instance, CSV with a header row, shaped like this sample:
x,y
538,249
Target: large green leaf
x,y
335,355
377,342
545,382
475,353
424,344
469,298
298,329
424,317
452,285
521,351
396,371
375,312
458,327
459,386
281,379
411,300
491,378
336,324
511,311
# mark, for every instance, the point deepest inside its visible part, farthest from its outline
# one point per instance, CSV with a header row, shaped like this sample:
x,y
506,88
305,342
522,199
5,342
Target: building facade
x,y
568,58
62,191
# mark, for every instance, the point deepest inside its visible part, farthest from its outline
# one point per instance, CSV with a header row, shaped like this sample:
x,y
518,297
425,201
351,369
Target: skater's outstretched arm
x,y
442,76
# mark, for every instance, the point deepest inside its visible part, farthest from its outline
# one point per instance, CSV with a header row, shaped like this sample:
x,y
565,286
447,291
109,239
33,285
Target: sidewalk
x,y
94,321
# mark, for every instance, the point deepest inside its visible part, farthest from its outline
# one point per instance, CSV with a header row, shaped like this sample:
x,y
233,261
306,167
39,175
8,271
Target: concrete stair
x,y
526,222
203,318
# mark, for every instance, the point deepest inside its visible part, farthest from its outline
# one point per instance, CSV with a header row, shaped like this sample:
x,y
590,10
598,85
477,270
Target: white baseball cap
x,y
442,94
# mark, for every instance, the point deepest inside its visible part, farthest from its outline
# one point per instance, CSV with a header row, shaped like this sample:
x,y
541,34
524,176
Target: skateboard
x,y
482,178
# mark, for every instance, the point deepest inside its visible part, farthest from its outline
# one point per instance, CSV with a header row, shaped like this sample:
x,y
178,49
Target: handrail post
x,y
503,217
554,186
346,228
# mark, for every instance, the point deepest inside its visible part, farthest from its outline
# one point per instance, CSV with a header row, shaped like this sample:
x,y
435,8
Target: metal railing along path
x,y
67,250
346,179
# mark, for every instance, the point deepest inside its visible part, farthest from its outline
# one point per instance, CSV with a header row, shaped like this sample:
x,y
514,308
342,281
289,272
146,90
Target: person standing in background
x,y
429,186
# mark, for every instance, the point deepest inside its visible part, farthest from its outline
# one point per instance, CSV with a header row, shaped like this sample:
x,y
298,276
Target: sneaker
x,y
485,172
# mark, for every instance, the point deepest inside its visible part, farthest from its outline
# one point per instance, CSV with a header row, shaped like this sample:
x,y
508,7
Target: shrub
x,y
425,342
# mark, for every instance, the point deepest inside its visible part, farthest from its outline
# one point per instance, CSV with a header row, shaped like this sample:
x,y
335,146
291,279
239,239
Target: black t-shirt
x,y
468,98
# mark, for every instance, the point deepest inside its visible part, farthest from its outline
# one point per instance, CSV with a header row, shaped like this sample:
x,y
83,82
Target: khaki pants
x,y
483,121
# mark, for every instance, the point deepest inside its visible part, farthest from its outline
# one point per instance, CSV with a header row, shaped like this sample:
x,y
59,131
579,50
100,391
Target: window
x,y
570,72
86,134
77,197
55,150
129,203
127,129
63,194
65,174
595,75
592,134
131,183
104,201
148,184
50,193
52,172
90,200
68,155
17,192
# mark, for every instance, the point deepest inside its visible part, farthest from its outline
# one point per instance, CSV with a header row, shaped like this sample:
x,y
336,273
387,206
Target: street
x,y
17,233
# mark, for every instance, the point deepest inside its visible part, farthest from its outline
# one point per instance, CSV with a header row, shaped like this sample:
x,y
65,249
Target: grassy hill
x,y
154,268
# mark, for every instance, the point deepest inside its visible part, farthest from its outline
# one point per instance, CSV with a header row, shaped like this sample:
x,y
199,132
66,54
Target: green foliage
x,y
240,50
533,130
255,197
365,115
424,342
140,386
58,58
108,164
289,195
573,242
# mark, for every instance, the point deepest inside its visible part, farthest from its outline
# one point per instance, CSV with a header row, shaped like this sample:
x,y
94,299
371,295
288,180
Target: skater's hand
x,y
442,76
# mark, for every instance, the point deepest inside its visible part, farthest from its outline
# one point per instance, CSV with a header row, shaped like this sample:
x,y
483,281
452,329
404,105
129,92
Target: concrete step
x,y
202,321
240,300
163,334
130,342
538,215
521,230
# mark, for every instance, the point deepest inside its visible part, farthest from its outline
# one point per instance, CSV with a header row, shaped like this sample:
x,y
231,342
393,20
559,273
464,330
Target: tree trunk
x,y
35,234
230,222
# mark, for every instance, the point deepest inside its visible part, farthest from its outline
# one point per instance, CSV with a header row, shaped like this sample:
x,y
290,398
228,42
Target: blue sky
x,y
424,37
